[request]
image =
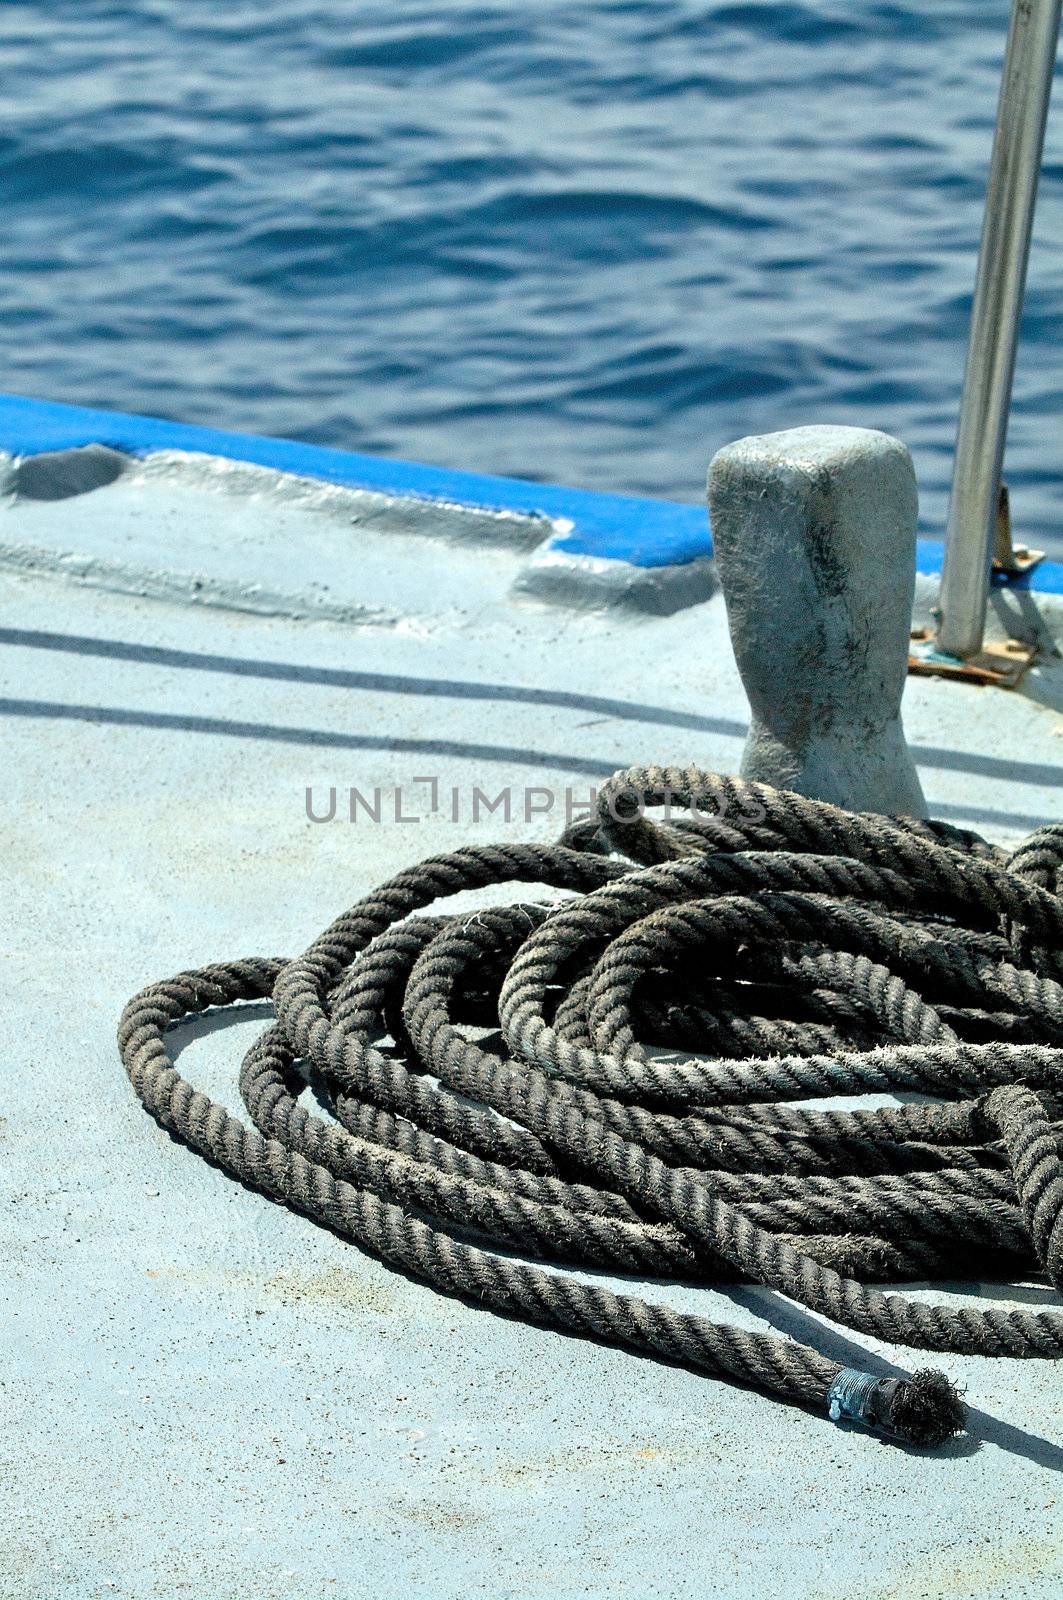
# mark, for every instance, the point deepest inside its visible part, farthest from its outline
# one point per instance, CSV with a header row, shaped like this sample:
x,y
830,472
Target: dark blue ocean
x,y
584,242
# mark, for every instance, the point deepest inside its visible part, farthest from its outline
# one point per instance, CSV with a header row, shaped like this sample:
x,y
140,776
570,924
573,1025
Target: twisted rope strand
x,y
780,951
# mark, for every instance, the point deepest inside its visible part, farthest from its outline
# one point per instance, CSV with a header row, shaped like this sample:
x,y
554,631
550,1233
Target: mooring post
x,y
814,535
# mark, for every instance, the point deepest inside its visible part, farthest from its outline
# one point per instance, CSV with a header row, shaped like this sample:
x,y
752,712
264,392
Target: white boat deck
x,y
204,1394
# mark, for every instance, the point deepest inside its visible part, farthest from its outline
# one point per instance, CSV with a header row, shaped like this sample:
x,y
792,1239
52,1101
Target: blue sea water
x,y
587,241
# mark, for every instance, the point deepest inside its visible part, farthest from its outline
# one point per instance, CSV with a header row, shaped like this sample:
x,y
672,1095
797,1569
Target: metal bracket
x,y
1002,663
1011,560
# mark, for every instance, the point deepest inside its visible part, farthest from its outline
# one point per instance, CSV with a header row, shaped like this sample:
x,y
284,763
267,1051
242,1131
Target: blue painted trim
x,y
929,557
612,527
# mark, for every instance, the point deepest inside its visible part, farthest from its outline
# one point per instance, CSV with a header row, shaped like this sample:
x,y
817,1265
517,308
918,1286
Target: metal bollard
x,y
814,536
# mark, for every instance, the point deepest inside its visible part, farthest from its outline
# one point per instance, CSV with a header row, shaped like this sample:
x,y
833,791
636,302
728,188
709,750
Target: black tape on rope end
x,y
924,1409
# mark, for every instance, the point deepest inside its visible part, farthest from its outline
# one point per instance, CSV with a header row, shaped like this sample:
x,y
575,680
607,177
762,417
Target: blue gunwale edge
x,y
611,527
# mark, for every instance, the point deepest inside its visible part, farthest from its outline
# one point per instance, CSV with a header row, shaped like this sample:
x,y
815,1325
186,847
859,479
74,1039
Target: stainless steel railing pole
x,y
1010,195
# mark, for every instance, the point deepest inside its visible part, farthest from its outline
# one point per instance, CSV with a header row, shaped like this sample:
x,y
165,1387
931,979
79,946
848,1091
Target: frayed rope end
x,y
924,1409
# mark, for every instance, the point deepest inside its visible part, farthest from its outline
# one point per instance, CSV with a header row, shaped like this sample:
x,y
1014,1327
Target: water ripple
x,y
587,242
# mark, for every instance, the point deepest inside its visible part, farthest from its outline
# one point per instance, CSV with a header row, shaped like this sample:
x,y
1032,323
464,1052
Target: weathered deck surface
x,y
205,1395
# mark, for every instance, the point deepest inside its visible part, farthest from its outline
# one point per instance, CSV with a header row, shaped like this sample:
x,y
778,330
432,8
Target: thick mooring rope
x,y
787,951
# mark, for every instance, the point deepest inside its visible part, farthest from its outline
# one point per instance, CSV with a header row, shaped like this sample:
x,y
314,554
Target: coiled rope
x,y
787,951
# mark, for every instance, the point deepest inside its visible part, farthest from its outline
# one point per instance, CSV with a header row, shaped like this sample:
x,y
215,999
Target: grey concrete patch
x,y
593,583
62,474
224,534
365,509
189,588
